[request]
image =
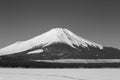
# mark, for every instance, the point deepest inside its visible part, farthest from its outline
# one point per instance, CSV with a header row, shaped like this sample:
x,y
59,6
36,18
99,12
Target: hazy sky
x,y
95,20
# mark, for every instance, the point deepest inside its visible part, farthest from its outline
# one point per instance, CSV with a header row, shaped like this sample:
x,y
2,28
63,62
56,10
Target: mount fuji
x,y
57,45
57,35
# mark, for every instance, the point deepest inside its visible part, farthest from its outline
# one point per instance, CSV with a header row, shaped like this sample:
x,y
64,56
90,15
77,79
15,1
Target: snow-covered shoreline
x,y
59,74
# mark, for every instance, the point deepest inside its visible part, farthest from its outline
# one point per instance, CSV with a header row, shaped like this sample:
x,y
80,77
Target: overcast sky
x,y
95,20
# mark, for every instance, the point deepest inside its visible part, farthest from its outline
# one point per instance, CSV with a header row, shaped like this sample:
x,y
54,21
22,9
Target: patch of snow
x,y
35,51
16,47
59,74
81,61
81,41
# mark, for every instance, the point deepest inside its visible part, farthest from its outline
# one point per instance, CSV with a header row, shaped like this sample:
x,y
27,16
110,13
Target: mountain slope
x,y
57,35
58,43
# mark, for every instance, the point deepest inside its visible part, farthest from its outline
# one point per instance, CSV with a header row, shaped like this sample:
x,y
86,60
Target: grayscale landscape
x,y
59,40
63,49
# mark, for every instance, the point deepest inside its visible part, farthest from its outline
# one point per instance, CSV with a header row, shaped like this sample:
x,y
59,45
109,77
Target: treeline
x,y
32,64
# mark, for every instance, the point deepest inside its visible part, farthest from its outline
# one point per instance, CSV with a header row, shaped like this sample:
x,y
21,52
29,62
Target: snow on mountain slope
x,y
35,51
53,36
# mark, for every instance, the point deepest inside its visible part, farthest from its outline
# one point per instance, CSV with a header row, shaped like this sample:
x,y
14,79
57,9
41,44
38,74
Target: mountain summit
x,y
57,43
62,35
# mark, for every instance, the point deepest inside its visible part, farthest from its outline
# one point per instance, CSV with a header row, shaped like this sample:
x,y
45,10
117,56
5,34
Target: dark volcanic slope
x,y
64,51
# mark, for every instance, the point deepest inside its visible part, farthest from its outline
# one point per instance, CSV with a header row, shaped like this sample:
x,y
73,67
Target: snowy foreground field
x,y
59,74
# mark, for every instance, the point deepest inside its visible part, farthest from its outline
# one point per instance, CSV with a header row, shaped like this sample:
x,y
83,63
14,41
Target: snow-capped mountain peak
x,y
62,35
55,35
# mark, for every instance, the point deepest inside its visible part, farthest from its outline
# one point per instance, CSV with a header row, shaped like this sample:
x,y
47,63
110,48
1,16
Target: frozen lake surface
x,y
59,74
